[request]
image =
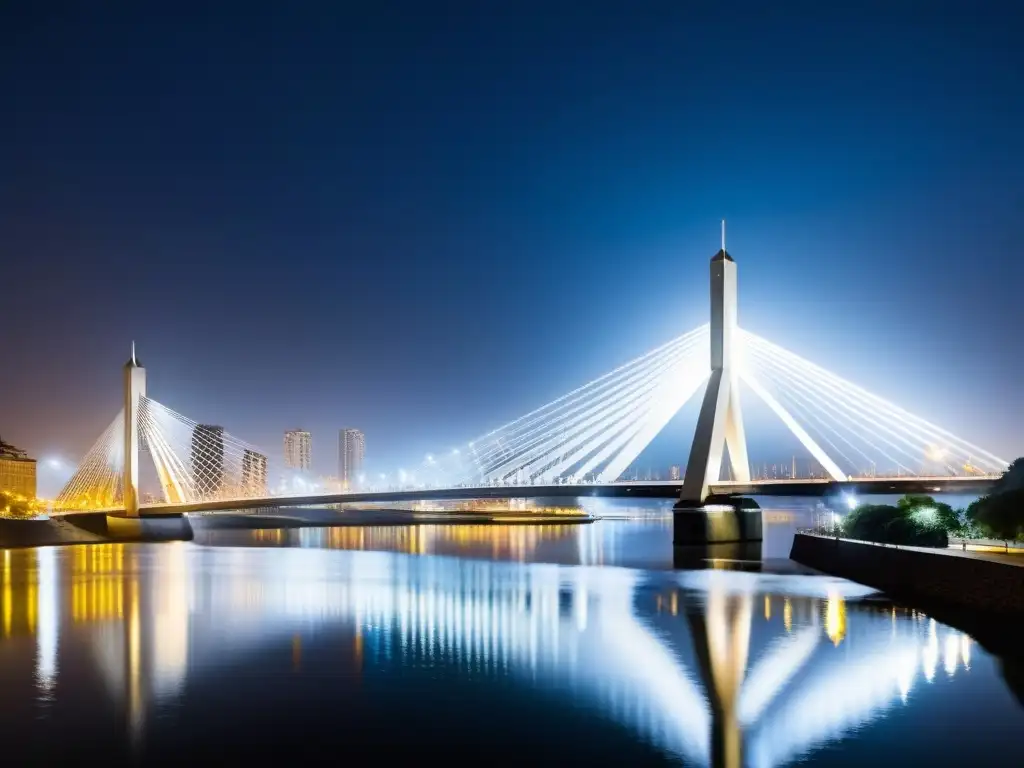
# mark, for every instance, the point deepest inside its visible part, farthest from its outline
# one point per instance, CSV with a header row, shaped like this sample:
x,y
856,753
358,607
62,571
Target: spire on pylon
x,y
722,255
133,361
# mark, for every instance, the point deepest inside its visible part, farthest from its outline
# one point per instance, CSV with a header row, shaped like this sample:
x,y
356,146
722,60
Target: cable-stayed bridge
x,y
580,444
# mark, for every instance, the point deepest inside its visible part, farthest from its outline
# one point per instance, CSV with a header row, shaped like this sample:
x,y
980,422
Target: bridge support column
x,y
134,391
719,426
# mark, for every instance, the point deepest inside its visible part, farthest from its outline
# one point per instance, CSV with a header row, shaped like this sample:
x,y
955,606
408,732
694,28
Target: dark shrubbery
x,y
907,524
1000,515
14,506
922,521
1012,479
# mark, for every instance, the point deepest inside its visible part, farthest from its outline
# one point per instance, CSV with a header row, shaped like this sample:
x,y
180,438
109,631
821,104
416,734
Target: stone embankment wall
x,y
91,528
912,574
44,533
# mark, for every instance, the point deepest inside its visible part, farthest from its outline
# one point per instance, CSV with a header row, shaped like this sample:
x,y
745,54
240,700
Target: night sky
x,y
425,218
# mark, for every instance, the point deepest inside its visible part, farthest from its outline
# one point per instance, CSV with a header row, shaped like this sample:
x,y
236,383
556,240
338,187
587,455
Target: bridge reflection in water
x,y
716,667
646,544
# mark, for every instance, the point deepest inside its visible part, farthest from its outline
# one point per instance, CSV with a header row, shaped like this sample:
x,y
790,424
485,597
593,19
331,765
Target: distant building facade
x,y
298,449
351,452
254,473
674,473
208,458
17,471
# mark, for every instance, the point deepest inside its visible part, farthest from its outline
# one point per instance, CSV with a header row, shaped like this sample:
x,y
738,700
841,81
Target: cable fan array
x,y
194,462
199,462
97,484
850,431
599,429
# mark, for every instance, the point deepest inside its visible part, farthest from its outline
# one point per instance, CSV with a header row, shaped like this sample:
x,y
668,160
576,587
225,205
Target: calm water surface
x,y
470,643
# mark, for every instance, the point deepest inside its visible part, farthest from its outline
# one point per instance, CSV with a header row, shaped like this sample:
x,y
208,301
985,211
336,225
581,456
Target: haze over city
x,y
320,218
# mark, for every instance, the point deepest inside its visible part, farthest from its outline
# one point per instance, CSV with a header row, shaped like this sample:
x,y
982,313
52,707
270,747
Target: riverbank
x,y
973,591
100,528
329,518
91,528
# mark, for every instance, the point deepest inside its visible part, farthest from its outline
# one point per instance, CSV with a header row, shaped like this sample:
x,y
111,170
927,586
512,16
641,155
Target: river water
x,y
545,644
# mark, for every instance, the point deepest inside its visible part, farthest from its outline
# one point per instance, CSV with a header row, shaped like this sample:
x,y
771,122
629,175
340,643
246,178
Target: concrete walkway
x,y
974,551
1015,555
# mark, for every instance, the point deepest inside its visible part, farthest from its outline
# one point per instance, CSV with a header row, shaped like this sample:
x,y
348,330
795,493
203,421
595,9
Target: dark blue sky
x,y
424,219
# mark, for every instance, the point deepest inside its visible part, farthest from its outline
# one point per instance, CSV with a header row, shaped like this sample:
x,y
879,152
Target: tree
x,y
901,524
6,449
1001,515
1012,479
932,513
869,521
14,506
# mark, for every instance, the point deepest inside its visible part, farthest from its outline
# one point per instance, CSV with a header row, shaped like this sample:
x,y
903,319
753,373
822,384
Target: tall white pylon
x,y
720,423
134,390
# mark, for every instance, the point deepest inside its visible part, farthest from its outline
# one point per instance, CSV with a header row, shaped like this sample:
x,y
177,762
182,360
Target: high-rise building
x,y
298,449
351,450
17,471
254,473
673,472
208,459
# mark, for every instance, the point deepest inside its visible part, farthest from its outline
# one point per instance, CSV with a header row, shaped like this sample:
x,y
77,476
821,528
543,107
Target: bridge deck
x,y
632,490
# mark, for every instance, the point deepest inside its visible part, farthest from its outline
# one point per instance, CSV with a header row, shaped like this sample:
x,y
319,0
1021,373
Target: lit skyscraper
x,y
208,458
351,449
17,471
254,473
298,449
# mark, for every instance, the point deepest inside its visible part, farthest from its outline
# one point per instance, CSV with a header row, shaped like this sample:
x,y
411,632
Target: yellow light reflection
x,y
135,710
97,583
507,542
787,615
8,608
728,638
835,619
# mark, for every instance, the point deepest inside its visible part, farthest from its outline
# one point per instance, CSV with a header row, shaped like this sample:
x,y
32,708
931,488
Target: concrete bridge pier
x,y
729,520
125,528
161,528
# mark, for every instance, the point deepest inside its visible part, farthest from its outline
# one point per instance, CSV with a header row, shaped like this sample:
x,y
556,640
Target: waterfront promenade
x,y
977,580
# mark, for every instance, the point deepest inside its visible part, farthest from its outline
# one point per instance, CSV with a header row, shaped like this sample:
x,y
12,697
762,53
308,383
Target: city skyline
x,y
551,255
298,449
351,454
